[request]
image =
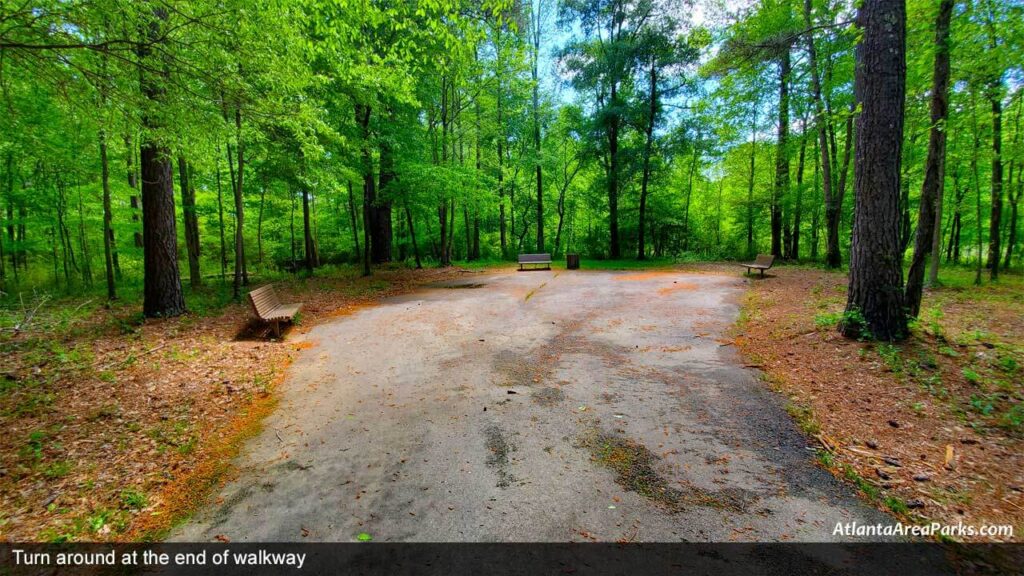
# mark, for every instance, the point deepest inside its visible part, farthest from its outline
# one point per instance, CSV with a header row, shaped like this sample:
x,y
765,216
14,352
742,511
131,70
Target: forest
x,y
231,230
159,147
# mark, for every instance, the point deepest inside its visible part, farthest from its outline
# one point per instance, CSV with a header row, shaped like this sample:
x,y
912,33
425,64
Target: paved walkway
x,y
535,406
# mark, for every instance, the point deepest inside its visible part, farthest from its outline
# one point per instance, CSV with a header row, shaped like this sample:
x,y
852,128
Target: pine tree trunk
x,y
369,191
652,110
220,217
751,249
108,231
412,235
781,154
309,251
833,205
383,233
241,275
930,211
352,215
614,251
191,220
876,275
794,247
162,294
997,184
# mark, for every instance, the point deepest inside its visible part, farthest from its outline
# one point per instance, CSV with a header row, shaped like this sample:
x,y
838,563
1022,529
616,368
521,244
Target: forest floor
x,y
931,429
114,425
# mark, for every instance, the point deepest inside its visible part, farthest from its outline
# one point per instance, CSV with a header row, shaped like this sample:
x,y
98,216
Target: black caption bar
x,y
372,559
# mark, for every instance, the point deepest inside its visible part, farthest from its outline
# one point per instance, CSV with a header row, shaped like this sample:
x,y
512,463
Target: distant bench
x,y
269,309
536,260
762,263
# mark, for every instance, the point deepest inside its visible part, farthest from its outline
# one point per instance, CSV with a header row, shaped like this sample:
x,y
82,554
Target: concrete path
x,y
534,406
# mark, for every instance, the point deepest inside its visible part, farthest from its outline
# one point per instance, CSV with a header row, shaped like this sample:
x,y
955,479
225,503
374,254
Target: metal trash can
x,y
572,261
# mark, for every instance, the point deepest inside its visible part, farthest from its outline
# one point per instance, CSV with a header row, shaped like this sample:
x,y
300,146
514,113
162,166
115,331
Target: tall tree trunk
x,y
309,250
468,233
501,175
976,180
162,294
816,215
930,211
241,274
383,233
83,245
794,246
191,220
9,193
997,183
412,235
781,154
291,229
876,275
652,110
995,95
369,191
833,201
220,218
444,255
1011,240
259,222
108,230
352,215
535,19
751,249
614,251
694,158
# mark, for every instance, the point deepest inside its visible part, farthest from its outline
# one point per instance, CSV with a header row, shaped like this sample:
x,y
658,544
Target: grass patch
x,y
634,467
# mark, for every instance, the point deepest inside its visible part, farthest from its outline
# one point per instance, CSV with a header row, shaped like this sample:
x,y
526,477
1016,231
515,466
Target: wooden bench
x,y
762,263
536,259
269,309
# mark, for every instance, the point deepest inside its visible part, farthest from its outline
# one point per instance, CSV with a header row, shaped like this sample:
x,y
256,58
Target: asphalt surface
x,y
534,406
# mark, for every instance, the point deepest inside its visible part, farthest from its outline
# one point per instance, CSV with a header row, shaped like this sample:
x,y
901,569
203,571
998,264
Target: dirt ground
x,y
113,427
539,406
929,429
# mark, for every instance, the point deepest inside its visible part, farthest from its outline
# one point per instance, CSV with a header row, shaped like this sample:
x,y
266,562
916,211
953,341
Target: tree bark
x,y
369,190
220,217
614,251
535,20
833,205
876,275
781,154
501,176
412,235
352,215
191,220
309,254
108,230
241,274
162,293
751,249
383,234
652,110
930,211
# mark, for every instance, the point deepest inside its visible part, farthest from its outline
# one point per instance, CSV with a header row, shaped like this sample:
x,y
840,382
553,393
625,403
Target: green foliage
x,y
133,499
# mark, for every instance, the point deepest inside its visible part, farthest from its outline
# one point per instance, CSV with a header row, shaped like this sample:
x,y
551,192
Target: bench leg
x,y
276,325
762,272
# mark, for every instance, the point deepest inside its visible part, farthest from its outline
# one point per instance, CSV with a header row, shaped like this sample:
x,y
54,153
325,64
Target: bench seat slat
x,y
268,307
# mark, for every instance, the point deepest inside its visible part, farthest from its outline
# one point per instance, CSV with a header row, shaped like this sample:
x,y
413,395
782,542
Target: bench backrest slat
x,y
765,260
264,299
531,258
